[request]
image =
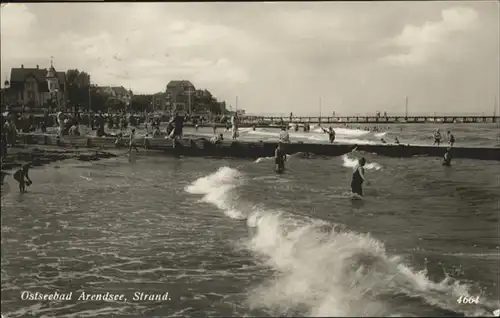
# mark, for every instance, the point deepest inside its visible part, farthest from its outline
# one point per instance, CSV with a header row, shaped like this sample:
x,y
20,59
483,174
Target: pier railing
x,y
372,119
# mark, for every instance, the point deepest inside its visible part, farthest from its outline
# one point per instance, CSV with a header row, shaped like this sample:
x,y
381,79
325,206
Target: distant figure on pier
x,y
437,137
284,136
451,138
234,126
447,158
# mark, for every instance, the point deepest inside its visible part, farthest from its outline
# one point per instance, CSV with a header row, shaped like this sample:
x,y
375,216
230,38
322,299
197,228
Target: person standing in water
x,y
358,177
22,177
451,138
447,158
331,134
437,137
280,158
235,124
284,136
131,142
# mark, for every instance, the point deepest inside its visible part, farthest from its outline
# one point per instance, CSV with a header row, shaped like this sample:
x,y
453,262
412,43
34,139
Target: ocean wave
x,y
325,270
349,162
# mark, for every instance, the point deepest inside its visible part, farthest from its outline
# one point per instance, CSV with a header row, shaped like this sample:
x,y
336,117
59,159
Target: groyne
x,y
256,149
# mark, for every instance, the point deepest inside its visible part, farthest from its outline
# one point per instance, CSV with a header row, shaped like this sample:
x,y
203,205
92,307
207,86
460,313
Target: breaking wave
x,y
324,270
349,162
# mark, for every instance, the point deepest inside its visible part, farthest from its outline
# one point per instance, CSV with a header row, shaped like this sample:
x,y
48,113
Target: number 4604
x,y
468,300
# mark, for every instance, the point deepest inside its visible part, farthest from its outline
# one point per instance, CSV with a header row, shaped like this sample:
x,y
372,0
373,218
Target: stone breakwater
x,y
256,149
39,156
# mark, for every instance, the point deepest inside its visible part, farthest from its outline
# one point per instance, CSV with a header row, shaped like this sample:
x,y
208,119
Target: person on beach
x,y
451,138
22,177
4,149
234,126
437,137
280,158
284,136
217,139
331,134
119,140
178,122
131,142
447,158
358,177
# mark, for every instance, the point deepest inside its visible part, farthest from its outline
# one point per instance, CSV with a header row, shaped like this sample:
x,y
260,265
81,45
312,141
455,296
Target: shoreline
x,y
202,147
39,155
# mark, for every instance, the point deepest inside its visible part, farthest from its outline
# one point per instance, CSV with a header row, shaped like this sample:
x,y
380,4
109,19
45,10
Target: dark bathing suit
x,y
357,182
331,134
280,160
178,123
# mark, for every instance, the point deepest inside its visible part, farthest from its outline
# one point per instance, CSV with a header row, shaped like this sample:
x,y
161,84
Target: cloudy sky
x,y
356,57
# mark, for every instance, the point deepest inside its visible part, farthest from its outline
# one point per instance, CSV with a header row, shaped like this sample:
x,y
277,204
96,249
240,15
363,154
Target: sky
x,y
308,58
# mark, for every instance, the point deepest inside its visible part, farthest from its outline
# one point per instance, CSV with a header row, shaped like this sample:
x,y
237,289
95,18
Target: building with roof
x,y
36,87
160,102
116,92
180,96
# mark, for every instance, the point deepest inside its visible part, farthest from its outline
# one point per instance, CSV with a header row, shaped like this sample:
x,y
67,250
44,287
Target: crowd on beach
x,y
68,124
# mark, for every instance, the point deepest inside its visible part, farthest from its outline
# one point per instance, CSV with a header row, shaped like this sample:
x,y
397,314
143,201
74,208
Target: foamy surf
x,y
322,270
262,159
349,162
215,189
343,131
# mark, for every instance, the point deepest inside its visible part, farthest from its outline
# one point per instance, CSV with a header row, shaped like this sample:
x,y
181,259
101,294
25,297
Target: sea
x,y
229,237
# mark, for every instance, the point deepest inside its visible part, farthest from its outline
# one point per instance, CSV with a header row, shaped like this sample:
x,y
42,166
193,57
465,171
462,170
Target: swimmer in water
x,y
447,158
451,138
437,137
22,177
280,158
284,136
131,142
358,177
331,134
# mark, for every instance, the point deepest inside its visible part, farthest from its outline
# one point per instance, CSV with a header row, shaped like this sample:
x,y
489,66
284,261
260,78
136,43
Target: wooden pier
x,y
373,120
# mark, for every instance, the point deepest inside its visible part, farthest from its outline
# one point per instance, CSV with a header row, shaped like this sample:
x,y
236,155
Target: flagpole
x,y
90,102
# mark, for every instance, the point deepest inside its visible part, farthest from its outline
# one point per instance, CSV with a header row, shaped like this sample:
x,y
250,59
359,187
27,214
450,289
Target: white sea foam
x,y
321,270
343,131
349,162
